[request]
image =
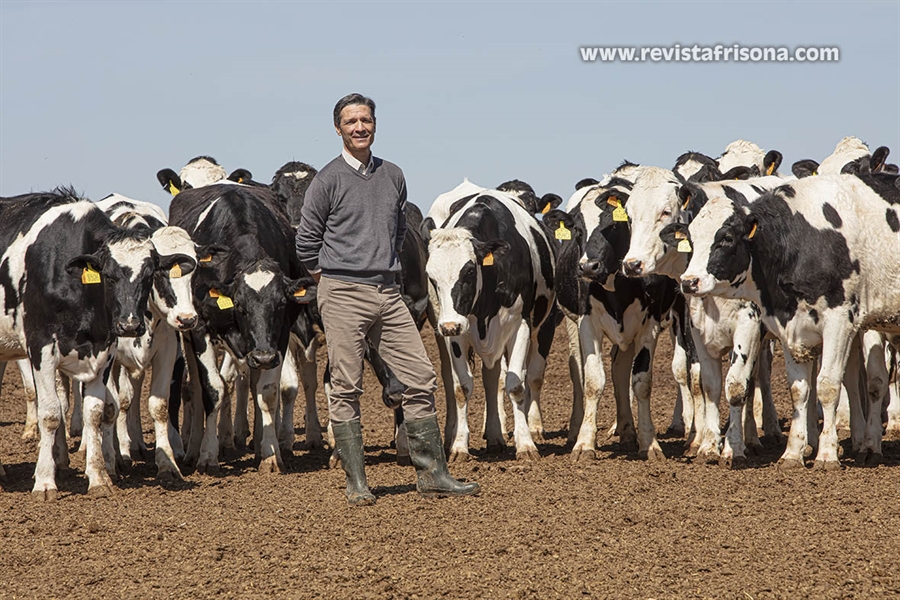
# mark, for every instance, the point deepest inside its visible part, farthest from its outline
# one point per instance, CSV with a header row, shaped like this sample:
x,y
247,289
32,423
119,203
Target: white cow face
x,y
653,205
172,295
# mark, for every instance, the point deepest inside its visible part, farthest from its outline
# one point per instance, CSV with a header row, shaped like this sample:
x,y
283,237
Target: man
x,y
351,231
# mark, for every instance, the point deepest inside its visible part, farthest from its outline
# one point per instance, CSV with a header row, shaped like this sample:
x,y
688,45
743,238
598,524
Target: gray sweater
x,y
352,225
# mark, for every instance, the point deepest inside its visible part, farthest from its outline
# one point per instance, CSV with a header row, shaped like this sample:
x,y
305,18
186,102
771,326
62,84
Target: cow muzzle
x,y
589,270
633,267
263,359
130,327
185,322
690,285
450,329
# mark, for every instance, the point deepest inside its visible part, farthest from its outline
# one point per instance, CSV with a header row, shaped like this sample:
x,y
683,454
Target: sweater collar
x,y
357,165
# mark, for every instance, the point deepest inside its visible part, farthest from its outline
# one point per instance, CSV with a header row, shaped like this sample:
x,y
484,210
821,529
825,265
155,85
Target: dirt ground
x,y
615,527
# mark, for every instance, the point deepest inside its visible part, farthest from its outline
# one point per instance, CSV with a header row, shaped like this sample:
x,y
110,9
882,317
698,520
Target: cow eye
x,y
666,213
727,239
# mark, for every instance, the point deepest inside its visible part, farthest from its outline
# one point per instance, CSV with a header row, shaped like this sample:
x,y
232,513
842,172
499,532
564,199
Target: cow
x,y
491,269
72,284
658,200
593,237
290,183
743,154
248,296
171,311
821,257
200,171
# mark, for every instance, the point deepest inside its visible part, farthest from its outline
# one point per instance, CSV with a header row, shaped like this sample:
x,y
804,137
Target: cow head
x,y
125,265
261,304
455,263
720,237
290,184
172,295
653,205
200,172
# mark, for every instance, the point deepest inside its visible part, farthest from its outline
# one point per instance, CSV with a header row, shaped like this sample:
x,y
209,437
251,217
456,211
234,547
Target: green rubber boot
x,y
427,455
349,443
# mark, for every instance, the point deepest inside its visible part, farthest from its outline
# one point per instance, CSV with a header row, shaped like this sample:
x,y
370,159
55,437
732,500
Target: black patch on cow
x,y
457,351
541,306
785,190
619,182
291,190
832,216
814,315
641,362
585,183
456,206
734,195
883,184
891,217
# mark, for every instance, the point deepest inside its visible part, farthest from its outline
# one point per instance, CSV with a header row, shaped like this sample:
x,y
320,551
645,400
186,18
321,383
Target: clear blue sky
x,y
101,95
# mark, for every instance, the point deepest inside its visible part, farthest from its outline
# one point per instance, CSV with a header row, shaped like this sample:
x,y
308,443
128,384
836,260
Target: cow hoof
x,y
790,464
674,432
528,455
754,449
168,477
733,462
124,465
459,456
827,465
31,433
334,460
653,455
628,446
495,448
690,451
270,465
286,450
404,461
808,451
538,434
145,454
101,491
44,495
867,458
709,457
583,455
210,469
313,445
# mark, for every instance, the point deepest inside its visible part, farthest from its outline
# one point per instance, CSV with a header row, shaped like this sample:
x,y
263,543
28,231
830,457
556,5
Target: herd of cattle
x,y
727,252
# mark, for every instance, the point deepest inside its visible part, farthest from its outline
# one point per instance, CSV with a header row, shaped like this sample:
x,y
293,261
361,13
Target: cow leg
x,y
501,406
763,394
226,427
853,389
517,349
160,387
799,376
31,430
108,424
682,357
539,350
711,385
50,419
642,385
306,362
456,434
877,378
739,387
265,386
203,449
290,385
576,370
76,424
840,342
892,401
493,399
99,421
590,342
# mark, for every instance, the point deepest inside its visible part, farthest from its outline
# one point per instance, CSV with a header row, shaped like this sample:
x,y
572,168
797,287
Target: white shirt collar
x,y
357,165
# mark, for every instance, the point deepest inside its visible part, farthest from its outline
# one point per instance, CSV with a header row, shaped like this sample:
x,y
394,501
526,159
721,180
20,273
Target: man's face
x,y
357,127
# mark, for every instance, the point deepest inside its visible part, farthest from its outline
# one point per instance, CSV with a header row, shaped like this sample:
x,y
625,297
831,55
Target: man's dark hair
x,y
349,100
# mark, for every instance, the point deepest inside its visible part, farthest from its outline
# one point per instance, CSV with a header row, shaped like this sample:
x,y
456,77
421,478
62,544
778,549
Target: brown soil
x,y
615,527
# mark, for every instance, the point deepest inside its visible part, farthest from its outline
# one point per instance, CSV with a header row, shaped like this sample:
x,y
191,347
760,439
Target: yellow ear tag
x,y
546,209
488,260
207,258
300,293
815,173
686,202
175,271
752,232
214,293
680,235
224,302
172,189
89,275
240,180
619,213
562,233
684,246
770,169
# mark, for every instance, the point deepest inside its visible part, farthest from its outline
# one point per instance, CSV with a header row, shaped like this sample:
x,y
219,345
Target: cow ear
x,y
211,254
176,265
772,161
891,168
240,176
804,168
556,218
705,174
685,195
585,183
740,173
487,252
879,157
675,235
426,228
547,203
170,181
78,265
611,199
301,291
752,227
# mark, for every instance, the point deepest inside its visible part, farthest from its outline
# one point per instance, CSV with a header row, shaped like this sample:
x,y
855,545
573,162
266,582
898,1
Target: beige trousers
x,y
351,311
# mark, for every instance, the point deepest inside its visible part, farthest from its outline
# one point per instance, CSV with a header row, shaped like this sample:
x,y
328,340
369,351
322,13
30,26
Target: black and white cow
x,y
171,310
248,296
491,267
658,200
290,183
72,283
593,237
821,257
200,171
741,154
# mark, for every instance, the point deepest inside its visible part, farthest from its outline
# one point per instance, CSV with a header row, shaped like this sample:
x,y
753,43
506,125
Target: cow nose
x,y
185,322
590,268
689,285
131,327
632,267
262,359
450,329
